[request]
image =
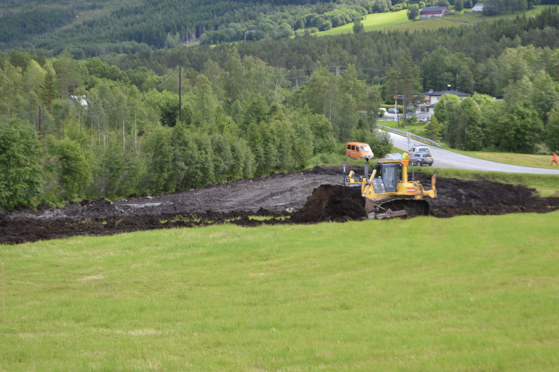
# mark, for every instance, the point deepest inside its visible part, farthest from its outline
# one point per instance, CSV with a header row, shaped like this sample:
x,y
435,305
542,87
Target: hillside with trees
x,y
157,121
93,28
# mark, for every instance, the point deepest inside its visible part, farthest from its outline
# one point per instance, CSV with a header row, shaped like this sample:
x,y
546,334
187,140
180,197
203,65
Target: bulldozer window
x,y
378,168
390,178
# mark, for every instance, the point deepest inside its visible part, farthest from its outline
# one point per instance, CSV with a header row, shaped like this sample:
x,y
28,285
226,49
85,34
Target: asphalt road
x,y
449,159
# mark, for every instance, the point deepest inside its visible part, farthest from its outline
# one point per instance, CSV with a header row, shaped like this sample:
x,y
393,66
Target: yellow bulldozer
x,y
389,193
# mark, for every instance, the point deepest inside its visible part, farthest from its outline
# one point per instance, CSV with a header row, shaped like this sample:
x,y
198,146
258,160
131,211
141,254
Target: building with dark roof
x,y
432,97
437,12
427,108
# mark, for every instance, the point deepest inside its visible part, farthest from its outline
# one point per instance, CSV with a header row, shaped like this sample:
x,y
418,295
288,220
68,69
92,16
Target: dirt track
x,y
274,196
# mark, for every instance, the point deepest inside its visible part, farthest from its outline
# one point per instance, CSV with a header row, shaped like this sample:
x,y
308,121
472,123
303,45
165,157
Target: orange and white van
x,y
356,150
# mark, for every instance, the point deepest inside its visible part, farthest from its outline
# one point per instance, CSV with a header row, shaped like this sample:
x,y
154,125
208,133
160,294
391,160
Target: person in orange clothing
x,y
555,159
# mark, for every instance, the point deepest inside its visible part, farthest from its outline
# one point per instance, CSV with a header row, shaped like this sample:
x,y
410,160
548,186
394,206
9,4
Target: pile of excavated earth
x,y
304,197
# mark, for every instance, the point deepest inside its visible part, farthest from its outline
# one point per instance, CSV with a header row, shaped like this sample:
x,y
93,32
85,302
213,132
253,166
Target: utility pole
x,y
123,131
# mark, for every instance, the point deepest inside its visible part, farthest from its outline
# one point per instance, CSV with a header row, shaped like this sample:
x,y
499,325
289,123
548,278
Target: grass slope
x,y
398,21
372,22
467,293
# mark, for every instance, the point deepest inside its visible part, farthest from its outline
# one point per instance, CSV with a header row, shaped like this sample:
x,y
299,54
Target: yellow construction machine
x,y
389,193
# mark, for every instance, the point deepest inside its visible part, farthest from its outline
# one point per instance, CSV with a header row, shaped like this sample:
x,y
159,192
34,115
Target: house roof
x,y
443,92
438,9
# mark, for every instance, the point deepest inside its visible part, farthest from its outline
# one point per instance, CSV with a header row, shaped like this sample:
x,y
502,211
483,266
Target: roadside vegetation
x,y
525,160
514,158
423,294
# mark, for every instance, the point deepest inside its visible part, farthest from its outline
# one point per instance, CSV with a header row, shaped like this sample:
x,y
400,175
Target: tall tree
x,y
204,101
519,129
49,90
413,12
552,131
403,80
69,74
20,173
358,26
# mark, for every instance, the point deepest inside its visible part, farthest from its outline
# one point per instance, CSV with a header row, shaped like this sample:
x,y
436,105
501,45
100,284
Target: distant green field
x,y
462,294
372,22
399,21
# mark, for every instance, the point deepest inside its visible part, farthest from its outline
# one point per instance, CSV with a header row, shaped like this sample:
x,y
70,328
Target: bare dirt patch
x,y
274,199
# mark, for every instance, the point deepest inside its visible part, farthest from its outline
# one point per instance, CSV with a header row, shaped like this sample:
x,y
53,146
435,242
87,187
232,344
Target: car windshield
x,y
365,148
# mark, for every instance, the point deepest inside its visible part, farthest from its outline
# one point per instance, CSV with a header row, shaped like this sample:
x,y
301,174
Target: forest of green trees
x,y
83,129
115,125
92,28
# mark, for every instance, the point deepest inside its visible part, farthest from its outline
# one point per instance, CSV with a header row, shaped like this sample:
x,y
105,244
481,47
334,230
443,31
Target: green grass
x,y
467,293
398,21
417,128
526,160
371,22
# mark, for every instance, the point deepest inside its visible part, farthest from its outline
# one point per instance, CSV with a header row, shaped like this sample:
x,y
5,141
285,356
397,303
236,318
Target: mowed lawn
x,y
425,294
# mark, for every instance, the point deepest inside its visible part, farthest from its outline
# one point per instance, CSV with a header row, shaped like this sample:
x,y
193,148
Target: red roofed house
x,y
440,11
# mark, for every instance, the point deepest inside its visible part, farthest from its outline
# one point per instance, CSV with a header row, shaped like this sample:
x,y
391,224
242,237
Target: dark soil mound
x,y
20,230
332,203
315,196
459,197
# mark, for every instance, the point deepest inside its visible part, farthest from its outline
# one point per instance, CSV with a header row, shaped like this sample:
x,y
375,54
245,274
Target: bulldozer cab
x,y
390,174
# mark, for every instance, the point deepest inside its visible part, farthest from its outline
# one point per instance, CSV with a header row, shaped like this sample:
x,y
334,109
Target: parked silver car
x,y
421,158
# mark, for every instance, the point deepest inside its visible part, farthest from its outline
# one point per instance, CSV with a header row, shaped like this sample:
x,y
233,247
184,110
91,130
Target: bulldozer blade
x,y
370,205
389,213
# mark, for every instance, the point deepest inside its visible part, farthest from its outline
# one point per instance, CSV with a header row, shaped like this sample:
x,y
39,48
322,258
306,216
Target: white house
x,y
477,8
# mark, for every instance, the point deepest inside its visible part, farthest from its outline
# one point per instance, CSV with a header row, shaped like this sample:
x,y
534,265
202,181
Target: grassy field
x,y
527,160
461,294
371,22
398,21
